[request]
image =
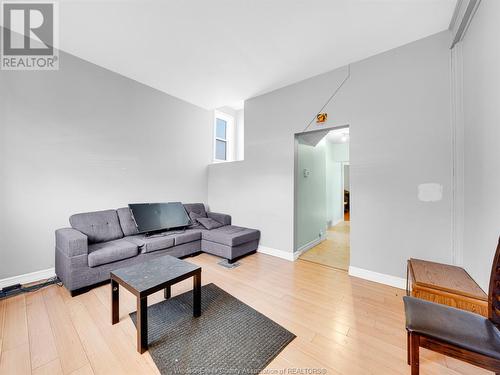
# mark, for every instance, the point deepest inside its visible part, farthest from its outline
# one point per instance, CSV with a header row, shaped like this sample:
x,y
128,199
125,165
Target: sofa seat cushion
x,y
152,243
99,226
111,251
231,235
189,235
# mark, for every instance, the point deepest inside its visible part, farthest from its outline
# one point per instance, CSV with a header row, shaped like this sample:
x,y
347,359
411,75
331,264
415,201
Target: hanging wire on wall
x,y
332,96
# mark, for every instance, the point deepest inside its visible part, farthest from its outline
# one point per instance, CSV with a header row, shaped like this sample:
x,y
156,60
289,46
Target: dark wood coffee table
x,y
144,279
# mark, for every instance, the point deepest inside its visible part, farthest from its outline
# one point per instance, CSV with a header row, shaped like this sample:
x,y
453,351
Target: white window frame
x,y
229,136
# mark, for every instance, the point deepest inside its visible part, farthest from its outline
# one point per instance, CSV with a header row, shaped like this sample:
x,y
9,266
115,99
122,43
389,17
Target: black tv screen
x,y
152,217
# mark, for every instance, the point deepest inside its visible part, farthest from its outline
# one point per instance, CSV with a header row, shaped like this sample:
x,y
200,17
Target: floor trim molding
x,y
28,277
308,246
276,253
382,278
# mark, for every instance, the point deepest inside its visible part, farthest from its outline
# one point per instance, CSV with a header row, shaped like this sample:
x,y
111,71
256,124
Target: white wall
x,y
319,199
481,79
346,177
339,152
311,193
333,181
398,107
84,138
240,134
258,192
336,154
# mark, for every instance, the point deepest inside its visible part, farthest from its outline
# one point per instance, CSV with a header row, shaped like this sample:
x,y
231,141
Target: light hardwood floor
x,y
334,251
344,325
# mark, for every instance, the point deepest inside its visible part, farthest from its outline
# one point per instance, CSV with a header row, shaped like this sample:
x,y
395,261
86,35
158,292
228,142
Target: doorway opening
x,y
323,197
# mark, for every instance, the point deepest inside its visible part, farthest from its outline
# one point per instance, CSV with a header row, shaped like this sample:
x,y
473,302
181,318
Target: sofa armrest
x,y
221,218
71,242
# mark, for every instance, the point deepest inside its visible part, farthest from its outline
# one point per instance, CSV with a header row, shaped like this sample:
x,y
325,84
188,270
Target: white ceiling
x,y
221,52
337,135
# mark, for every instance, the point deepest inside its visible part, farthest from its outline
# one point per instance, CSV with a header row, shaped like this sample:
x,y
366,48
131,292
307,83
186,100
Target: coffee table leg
x,y
142,324
115,302
197,295
168,292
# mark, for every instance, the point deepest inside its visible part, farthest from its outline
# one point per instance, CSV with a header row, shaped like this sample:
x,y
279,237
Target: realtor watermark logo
x,y
30,35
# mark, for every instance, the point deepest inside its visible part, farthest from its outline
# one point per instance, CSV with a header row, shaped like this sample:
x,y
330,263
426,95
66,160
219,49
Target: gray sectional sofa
x,y
99,242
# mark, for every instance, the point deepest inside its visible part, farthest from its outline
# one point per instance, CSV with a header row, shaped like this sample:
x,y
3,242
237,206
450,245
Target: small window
x,y
221,128
222,131
220,150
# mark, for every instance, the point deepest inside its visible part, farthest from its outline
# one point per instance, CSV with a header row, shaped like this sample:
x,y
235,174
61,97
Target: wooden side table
x,y
146,278
447,285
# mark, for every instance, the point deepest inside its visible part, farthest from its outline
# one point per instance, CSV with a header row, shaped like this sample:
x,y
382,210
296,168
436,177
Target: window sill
x,y
224,161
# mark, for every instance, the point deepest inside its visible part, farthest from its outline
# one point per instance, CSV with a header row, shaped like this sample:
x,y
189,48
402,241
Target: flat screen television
x,y
155,217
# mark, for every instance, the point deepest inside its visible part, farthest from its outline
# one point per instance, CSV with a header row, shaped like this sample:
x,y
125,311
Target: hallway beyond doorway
x,y
334,250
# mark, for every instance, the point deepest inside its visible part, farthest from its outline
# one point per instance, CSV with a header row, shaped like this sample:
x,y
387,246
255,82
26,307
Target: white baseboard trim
x,y
28,277
308,246
311,244
276,253
377,277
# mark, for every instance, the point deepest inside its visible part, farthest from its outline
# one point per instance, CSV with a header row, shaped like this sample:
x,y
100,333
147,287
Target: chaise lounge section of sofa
x,y
102,241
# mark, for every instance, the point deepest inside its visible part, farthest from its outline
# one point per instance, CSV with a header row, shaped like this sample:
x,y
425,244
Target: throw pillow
x,y
209,223
194,216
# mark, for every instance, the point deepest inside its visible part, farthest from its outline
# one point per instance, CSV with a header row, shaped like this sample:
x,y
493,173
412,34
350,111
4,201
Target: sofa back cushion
x,y
127,222
198,208
99,226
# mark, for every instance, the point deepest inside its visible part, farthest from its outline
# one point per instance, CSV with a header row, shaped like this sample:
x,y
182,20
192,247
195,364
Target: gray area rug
x,y
230,337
